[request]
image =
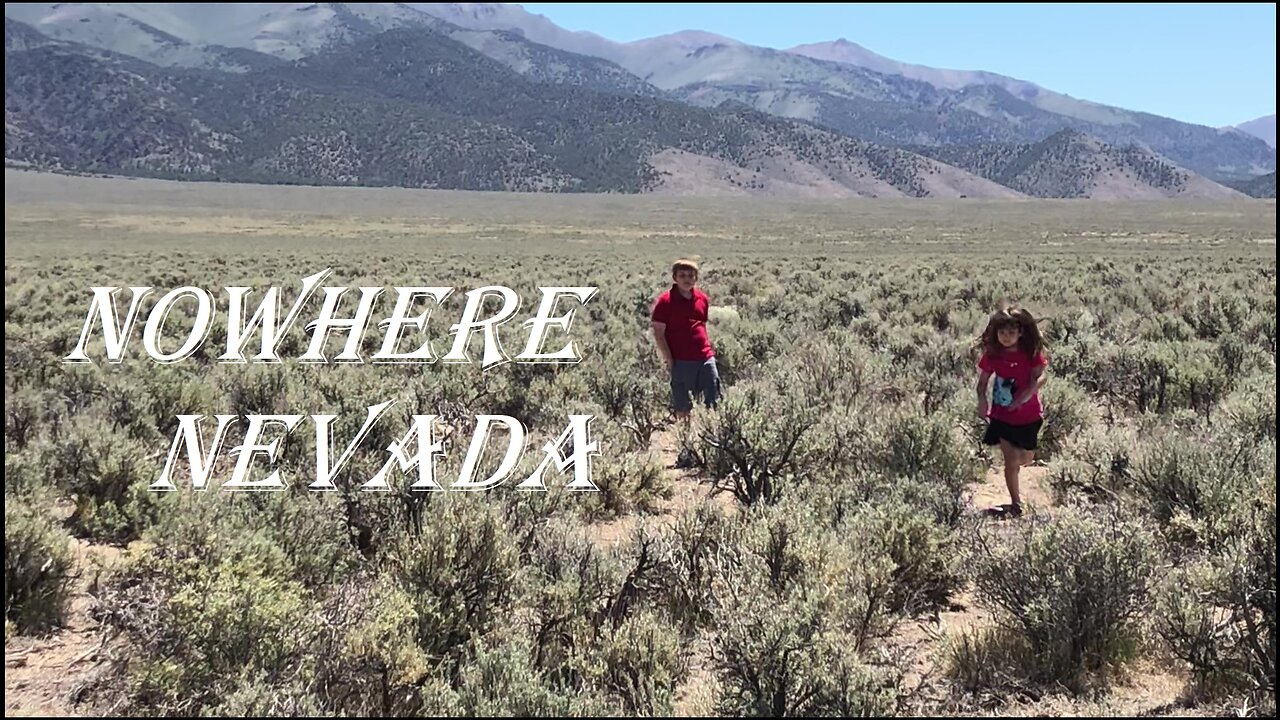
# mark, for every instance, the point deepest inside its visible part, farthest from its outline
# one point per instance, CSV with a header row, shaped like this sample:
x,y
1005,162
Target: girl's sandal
x,y
1006,511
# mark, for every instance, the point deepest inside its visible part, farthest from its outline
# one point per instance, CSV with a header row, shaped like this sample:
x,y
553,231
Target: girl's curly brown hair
x,y
1029,342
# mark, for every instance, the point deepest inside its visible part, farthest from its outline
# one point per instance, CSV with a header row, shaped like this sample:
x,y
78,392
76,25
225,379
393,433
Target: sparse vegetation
x,y
845,448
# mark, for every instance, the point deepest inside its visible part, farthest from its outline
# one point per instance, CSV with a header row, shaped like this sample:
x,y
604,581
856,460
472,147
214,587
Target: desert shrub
x,y
632,392
637,664
572,585
1158,328
1218,613
460,573
744,346
926,562
795,606
527,515
37,566
908,445
1213,314
1136,376
1096,463
1067,411
501,680
775,664
1072,587
986,659
24,473
691,557
1189,484
938,371
26,413
1250,411
200,629
302,536
252,696
756,441
371,662
260,389
829,370
106,475
628,484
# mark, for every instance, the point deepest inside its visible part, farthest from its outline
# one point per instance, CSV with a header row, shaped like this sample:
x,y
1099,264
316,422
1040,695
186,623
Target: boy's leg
x,y
682,384
684,380
709,383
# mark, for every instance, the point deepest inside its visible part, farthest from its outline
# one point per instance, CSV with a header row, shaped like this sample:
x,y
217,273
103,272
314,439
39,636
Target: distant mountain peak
x,y
687,39
475,11
1263,127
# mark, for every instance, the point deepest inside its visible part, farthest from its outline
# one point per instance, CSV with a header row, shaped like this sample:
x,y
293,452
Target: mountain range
x,y
1263,186
849,89
1263,128
488,96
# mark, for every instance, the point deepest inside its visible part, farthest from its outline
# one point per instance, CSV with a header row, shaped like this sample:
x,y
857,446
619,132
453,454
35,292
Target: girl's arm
x,y
984,386
1037,381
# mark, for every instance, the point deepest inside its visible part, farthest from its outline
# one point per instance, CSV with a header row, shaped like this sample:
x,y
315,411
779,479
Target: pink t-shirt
x,y
1012,371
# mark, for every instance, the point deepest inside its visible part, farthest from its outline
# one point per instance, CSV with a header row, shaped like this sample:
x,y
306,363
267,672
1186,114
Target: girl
x,y
1012,353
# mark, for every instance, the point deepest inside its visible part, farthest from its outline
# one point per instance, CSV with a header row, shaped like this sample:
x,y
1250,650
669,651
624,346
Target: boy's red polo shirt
x,y
686,321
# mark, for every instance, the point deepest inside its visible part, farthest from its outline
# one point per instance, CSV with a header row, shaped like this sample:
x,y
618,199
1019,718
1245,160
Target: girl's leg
x,y
1012,464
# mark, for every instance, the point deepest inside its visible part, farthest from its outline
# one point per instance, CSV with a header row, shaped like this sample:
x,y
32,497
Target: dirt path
x,y
1033,484
46,675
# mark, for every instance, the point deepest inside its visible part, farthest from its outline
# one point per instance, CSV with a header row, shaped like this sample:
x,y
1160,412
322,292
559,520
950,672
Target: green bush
x,y
201,630
982,660
1190,483
377,666
1097,463
1067,412
757,441
106,475
638,664
795,606
502,681
1073,587
926,562
1218,613
460,573
628,484
37,567
691,557
926,456
1250,411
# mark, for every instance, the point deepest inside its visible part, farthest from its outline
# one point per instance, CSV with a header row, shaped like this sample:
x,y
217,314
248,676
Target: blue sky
x,y
1208,64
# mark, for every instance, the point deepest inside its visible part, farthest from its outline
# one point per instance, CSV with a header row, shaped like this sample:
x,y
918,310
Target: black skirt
x,y
1021,436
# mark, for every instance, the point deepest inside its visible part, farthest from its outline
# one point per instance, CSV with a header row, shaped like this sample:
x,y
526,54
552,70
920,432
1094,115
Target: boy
x,y
679,320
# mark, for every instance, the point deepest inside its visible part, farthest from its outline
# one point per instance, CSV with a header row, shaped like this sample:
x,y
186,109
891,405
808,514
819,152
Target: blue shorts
x,y
694,376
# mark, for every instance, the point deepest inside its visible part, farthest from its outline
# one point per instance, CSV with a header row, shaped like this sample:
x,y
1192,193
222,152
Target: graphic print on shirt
x,y
1004,390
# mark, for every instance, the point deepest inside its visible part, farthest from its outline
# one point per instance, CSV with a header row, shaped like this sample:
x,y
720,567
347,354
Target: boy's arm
x,y
660,337
984,383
